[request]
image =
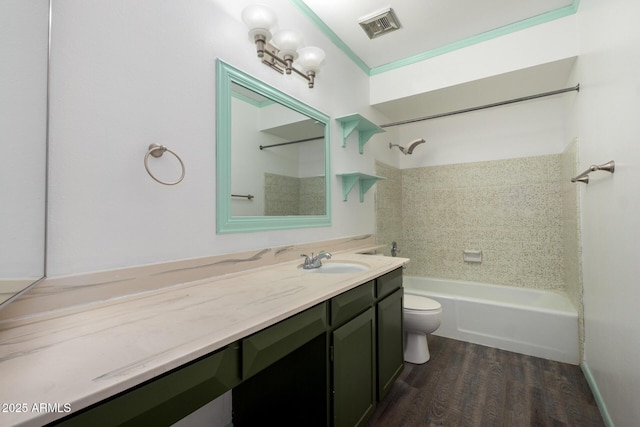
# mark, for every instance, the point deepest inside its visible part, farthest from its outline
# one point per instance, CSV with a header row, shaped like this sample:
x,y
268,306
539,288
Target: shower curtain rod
x,y
291,142
482,107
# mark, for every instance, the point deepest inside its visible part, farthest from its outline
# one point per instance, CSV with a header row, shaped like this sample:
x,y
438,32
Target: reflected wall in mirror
x,y
272,157
286,152
24,55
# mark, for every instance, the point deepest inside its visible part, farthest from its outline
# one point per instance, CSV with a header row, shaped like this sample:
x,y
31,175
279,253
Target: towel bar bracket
x,y
584,176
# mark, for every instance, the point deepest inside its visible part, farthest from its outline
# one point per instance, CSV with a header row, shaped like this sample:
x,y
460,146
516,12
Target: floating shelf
x,y
365,128
349,180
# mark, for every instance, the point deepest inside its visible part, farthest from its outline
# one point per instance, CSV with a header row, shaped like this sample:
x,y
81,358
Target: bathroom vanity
x,y
327,365
291,344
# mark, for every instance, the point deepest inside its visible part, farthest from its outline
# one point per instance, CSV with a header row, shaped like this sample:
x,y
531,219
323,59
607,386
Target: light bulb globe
x,y
288,42
311,58
260,19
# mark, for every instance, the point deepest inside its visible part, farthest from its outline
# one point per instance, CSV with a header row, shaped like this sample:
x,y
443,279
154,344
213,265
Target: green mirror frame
x,y
225,222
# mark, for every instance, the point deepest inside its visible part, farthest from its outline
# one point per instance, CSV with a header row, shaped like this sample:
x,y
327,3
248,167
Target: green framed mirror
x,y
272,157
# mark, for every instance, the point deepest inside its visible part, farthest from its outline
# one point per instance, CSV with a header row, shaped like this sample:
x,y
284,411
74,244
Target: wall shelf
x,y
349,180
366,129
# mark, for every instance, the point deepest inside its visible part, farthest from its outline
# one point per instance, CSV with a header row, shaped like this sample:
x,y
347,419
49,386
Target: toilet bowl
x,y
421,317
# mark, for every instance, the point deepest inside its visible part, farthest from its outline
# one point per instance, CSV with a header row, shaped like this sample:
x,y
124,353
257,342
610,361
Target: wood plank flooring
x,y
466,384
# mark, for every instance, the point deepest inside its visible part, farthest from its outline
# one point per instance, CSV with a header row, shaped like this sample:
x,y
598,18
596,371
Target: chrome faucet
x,y
314,261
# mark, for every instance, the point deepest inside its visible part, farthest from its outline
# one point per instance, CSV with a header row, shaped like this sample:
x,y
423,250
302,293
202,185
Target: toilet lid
x,y
416,302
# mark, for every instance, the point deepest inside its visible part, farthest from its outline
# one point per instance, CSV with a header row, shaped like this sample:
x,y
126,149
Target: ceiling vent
x,y
379,23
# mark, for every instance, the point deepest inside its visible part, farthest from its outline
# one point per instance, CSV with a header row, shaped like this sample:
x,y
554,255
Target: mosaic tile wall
x,y
523,214
281,195
388,199
511,210
312,196
286,195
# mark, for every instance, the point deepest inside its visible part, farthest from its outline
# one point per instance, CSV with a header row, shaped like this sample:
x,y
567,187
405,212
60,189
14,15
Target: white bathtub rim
x,y
566,313
569,310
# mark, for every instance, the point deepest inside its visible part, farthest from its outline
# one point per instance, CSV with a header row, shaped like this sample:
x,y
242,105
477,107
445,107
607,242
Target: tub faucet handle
x,y
394,248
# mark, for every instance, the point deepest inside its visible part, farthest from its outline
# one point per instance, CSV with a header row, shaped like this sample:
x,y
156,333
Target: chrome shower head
x,y
408,150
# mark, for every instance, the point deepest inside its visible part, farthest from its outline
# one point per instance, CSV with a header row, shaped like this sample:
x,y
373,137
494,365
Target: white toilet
x,y
421,317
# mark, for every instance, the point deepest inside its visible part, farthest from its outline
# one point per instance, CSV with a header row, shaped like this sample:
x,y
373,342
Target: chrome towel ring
x,y
157,150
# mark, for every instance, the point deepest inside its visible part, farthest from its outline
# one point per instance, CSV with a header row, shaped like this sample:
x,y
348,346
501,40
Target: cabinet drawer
x,y
388,283
349,304
268,346
167,399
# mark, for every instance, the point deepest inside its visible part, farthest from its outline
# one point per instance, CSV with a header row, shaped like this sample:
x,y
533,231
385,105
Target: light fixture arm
x,y
288,63
261,21
261,41
311,77
279,64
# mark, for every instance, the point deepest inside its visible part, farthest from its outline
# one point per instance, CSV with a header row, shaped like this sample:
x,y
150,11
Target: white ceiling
x,y
425,24
428,25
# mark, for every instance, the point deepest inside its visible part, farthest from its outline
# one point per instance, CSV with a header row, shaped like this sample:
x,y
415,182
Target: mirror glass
x,y
272,157
24,54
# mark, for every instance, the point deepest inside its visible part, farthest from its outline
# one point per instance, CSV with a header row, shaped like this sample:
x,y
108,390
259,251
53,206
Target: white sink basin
x,y
339,268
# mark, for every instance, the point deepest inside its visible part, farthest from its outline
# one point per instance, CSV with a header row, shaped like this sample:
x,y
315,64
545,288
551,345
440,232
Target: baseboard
x,y
596,394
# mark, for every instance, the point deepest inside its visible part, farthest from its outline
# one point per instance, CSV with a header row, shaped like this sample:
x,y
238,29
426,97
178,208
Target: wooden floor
x,y
471,385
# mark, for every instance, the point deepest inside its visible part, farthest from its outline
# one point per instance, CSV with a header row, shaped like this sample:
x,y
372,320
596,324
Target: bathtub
x,y
528,321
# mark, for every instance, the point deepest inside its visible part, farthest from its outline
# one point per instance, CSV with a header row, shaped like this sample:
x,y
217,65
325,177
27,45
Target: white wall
x,y
545,43
126,74
531,128
249,163
607,122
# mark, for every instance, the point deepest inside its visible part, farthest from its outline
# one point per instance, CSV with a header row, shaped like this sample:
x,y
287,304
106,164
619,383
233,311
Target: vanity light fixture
x,y
286,48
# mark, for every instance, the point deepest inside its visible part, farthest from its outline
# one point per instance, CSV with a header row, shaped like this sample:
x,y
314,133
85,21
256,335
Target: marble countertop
x,y
77,357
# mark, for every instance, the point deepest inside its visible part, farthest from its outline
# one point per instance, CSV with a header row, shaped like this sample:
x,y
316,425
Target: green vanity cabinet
x,y
328,365
352,354
353,370
389,330
284,372
388,283
272,344
390,341
169,397
368,350
349,304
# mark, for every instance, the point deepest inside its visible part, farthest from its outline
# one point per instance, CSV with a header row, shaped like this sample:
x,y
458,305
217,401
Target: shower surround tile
x,y
521,213
511,210
388,200
281,195
312,196
287,195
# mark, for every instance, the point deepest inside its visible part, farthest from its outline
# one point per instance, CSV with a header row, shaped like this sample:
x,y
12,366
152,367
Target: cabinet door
x,y
390,341
354,371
